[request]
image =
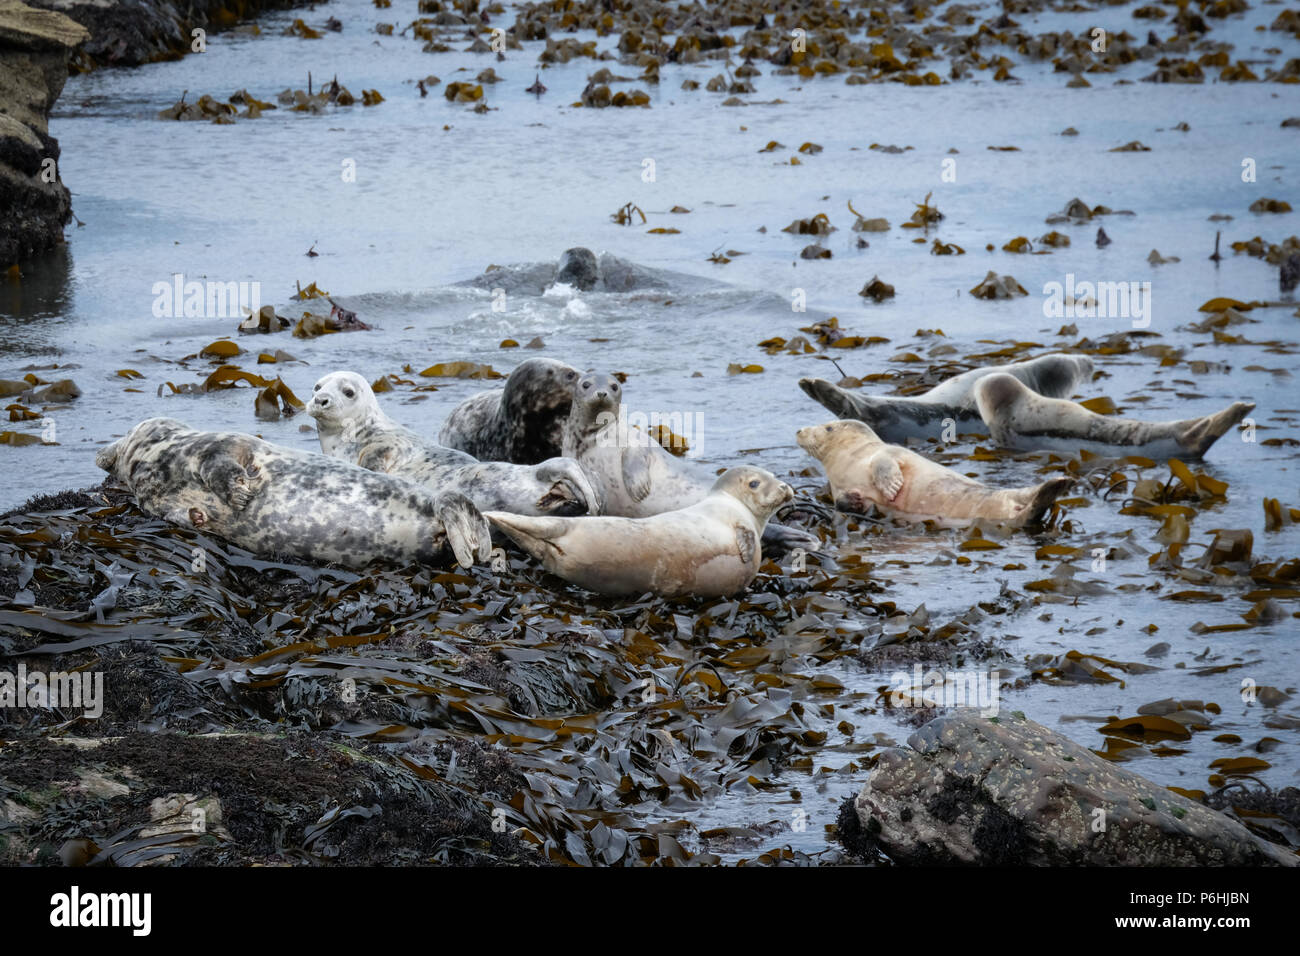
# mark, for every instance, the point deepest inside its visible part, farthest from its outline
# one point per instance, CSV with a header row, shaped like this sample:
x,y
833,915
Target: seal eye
x,y
830,428
586,385
316,387
349,393
754,483
570,376
613,386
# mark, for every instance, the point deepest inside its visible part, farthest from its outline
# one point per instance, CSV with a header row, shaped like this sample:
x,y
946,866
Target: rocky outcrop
x,y
131,32
973,790
34,50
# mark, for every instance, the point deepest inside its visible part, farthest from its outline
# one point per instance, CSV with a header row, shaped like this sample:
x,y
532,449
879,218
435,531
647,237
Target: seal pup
x,y
273,500
633,474
351,426
864,470
1020,419
710,548
896,418
521,422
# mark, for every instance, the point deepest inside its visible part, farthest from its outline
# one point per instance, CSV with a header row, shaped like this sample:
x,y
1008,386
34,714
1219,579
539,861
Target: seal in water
x,y
633,474
585,271
522,422
1018,418
863,470
274,500
351,426
710,548
578,267
898,418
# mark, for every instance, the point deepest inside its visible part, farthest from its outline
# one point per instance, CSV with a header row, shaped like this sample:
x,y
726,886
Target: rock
x,y
995,286
34,50
1007,790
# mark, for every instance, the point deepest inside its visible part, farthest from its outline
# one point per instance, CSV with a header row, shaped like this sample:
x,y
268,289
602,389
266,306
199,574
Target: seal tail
x,y
831,396
1201,433
468,534
1043,497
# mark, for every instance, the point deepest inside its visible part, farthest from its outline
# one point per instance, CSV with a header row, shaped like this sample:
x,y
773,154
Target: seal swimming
x,y
351,426
583,270
522,422
272,500
633,474
863,470
897,418
710,548
1020,419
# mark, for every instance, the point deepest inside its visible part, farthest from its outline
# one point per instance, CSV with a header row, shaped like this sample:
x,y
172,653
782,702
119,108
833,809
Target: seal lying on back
x,y
351,426
897,418
521,422
710,548
633,474
1020,419
274,500
863,471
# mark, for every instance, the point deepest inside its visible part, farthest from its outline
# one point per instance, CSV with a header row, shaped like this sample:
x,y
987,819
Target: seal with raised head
x,y
864,471
273,500
710,548
578,267
897,418
521,422
633,474
1020,419
351,426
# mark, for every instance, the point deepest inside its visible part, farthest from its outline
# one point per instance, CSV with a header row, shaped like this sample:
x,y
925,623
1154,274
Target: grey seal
x,y
521,422
709,548
351,426
273,500
897,418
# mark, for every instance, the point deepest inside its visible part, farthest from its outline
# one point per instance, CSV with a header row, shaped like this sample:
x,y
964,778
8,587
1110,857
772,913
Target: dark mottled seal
x,y
585,271
709,548
351,426
897,418
274,500
633,474
522,422
1021,419
578,267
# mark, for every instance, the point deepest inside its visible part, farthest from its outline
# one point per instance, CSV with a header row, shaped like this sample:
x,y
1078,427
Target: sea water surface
x,y
441,192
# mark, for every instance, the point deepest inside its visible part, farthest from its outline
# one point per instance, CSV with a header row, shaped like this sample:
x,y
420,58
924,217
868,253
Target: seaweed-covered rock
x,y
1010,791
34,50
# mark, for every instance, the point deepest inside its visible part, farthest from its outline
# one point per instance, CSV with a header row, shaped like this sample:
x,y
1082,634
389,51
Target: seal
x,y
710,548
864,470
351,426
1018,418
577,267
272,500
633,474
521,422
898,418
584,271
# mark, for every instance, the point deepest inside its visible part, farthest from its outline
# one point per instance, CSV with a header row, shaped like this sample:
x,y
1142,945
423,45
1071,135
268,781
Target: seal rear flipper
x,y
782,537
1202,433
571,493
636,472
831,396
468,534
1043,497
106,457
533,534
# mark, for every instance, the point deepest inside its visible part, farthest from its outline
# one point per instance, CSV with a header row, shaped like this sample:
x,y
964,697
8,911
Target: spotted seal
x,y
633,474
1021,419
709,548
521,422
581,269
273,500
351,426
863,471
897,418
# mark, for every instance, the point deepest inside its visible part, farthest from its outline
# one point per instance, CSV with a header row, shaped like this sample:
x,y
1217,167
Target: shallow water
x,y
442,192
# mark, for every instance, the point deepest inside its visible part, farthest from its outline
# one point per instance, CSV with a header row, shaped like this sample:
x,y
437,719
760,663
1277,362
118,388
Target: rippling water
x,y
442,192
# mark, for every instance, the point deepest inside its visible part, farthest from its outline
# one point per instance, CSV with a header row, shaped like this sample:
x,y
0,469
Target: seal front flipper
x,y
229,471
636,472
746,544
468,534
885,474
378,456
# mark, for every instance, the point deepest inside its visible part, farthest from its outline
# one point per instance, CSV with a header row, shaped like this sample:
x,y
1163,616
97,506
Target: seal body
x,y
273,500
578,267
522,422
635,476
710,548
864,471
1018,418
351,426
898,418
581,269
